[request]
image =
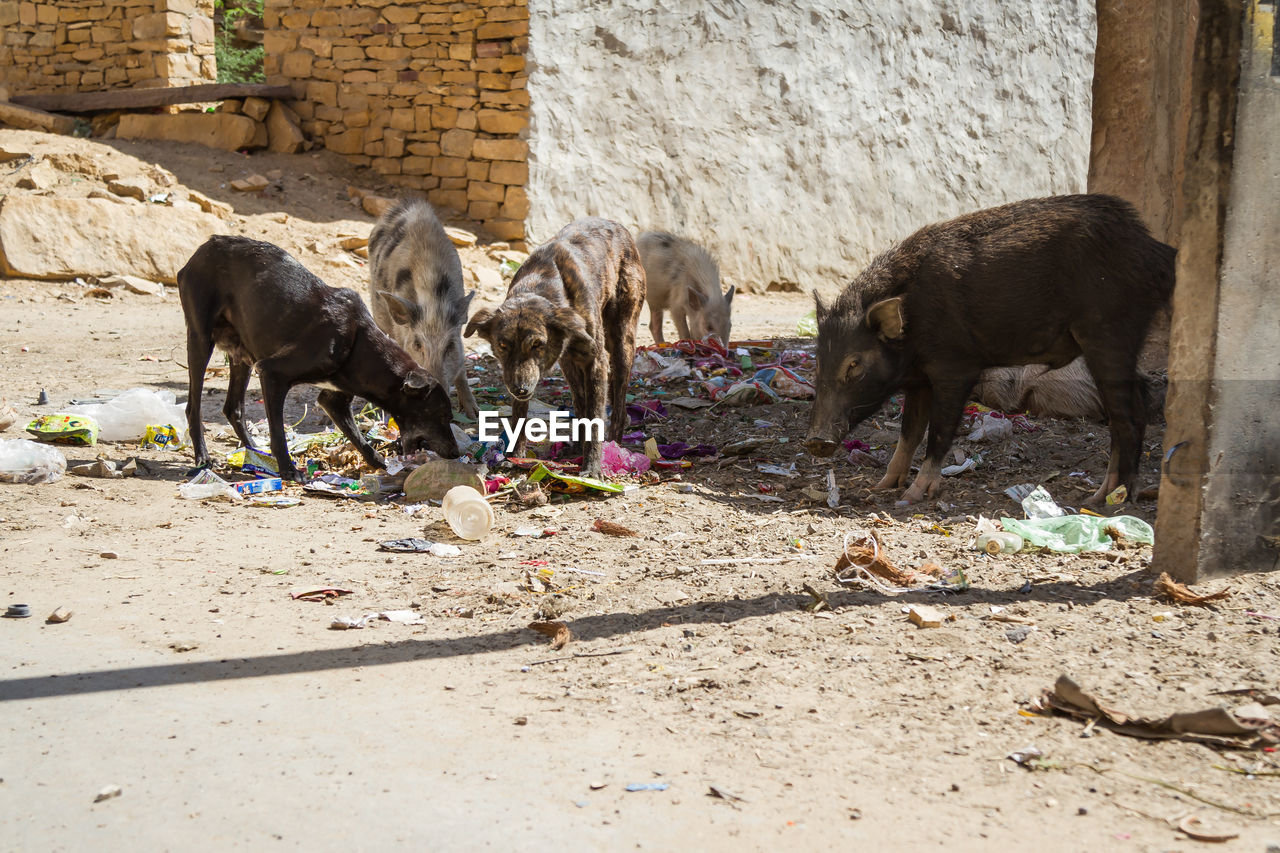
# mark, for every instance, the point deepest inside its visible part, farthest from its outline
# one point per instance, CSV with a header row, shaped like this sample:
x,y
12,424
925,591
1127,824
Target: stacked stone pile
x,y
430,94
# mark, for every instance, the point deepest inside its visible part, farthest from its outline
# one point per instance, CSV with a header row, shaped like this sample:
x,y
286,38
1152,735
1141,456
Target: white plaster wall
x,y
797,140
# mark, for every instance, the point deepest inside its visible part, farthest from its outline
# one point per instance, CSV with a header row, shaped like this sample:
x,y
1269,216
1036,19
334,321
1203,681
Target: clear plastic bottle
x,y
468,513
1000,543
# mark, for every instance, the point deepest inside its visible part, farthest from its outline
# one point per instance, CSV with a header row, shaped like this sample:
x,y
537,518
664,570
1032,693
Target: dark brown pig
x,y
1040,281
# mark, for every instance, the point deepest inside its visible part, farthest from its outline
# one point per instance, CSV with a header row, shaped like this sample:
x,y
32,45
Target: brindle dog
x,y
577,299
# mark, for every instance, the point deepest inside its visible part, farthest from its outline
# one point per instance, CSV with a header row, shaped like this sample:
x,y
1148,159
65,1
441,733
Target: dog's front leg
x,y
592,405
274,390
337,406
519,413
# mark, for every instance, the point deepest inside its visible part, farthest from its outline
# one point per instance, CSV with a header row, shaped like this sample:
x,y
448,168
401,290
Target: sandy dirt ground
x,y
232,717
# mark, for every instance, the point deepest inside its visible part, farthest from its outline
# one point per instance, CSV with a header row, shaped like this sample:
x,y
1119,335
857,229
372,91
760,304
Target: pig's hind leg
x,y
1119,385
946,407
337,406
915,417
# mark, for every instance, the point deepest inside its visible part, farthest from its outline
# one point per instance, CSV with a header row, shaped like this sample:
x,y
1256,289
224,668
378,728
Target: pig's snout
x,y
820,446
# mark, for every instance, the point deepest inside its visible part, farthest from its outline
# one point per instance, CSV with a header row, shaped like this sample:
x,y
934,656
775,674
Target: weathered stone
x,y
133,284
350,142
502,30
251,184
56,238
506,229
103,194
219,209
485,191
511,173
502,121
158,26
500,149
375,205
353,242
460,237
457,143
516,204
284,135
256,108
27,118
133,187
260,136
41,176
216,130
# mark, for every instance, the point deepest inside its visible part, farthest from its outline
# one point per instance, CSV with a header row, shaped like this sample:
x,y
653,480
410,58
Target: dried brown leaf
x,y
611,529
558,632
1169,588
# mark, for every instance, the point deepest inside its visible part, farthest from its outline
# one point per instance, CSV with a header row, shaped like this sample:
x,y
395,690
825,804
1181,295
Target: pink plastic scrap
x,y
618,460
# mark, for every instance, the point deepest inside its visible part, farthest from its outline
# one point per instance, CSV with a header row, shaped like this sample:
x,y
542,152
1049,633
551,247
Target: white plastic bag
x,y
126,417
991,427
207,485
23,461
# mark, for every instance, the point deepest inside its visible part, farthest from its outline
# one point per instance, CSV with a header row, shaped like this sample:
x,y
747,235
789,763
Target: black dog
x,y
576,300
265,310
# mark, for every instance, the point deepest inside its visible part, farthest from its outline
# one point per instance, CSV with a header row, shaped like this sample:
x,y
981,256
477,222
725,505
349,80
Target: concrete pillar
x,y
1219,510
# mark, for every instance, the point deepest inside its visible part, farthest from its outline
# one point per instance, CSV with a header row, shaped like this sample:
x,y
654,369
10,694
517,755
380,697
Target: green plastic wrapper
x,y
64,429
581,483
1075,534
808,325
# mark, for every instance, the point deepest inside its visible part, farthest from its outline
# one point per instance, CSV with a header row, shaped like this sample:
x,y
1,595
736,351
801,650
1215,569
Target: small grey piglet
x,y
685,280
417,293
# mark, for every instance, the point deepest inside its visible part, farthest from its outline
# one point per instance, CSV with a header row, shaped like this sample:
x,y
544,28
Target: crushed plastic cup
x,y
23,461
1039,504
467,512
991,427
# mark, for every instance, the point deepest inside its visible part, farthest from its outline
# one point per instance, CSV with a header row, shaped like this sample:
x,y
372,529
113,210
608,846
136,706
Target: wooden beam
x,y
134,99
27,118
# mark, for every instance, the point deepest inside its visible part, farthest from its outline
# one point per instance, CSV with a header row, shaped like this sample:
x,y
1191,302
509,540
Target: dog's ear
x,y
417,379
481,321
403,312
577,343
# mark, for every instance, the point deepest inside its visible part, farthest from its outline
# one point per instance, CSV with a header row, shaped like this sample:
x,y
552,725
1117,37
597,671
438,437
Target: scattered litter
x,y
1075,534
924,616
616,460
65,429
790,473
558,632
723,794
1020,491
609,528
402,617
990,427
17,611
866,560
406,546
999,543
576,484
274,501
1028,756
648,786
59,616
1167,587
24,461
108,792
1216,726
8,415
534,532
955,470
819,603
1038,504
467,512
318,593
184,645
1118,495
207,485
431,480
1198,830
258,487
833,490
127,416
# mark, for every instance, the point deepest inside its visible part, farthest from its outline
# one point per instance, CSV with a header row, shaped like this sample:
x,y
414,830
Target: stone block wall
x,y
431,95
91,45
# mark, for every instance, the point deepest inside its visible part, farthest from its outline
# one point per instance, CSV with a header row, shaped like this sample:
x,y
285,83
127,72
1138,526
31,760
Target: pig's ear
x,y
886,319
697,299
481,321
819,308
580,345
728,297
403,312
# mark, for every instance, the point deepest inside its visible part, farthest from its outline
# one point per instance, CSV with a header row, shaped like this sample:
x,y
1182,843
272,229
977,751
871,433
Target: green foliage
x,y
236,64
